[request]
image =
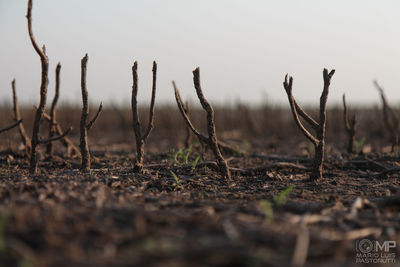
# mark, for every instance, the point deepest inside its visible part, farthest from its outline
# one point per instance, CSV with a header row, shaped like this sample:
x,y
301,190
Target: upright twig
x,y
84,126
137,128
17,117
211,140
320,127
188,132
35,141
390,118
15,124
53,110
350,127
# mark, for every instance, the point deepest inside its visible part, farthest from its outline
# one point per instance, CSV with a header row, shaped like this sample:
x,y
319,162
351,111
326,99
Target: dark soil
x,y
270,214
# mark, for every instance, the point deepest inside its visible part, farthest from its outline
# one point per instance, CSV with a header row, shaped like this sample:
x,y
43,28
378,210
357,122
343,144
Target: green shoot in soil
x,y
182,156
194,163
267,206
282,197
175,177
358,144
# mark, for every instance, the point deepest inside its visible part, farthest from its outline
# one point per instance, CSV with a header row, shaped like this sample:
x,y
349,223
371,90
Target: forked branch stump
x,y
54,126
140,137
211,140
84,126
35,141
319,127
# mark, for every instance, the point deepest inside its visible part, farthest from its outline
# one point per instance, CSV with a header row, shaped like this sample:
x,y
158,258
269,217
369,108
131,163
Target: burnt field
x,y
179,211
191,185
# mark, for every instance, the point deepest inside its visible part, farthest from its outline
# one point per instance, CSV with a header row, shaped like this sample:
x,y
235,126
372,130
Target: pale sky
x,y
244,48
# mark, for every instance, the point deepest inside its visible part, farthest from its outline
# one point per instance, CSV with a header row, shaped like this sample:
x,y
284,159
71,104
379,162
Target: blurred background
x,y
244,49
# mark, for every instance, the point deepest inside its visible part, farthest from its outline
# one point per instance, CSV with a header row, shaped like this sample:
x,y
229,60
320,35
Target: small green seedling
x,y
194,163
268,206
174,155
358,144
179,154
177,181
187,154
282,197
182,156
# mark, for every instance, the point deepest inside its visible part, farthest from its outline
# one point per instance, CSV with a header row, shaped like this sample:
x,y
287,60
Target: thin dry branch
x,y
41,53
83,145
185,115
137,127
188,132
320,127
350,127
153,99
17,117
71,148
55,138
90,124
288,88
305,116
54,126
184,109
229,150
211,140
15,124
84,126
53,110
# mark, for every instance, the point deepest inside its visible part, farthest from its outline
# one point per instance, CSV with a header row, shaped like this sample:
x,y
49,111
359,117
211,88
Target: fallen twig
x,y
276,165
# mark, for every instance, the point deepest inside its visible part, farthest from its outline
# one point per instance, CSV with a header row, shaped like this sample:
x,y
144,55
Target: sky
x,y
244,48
